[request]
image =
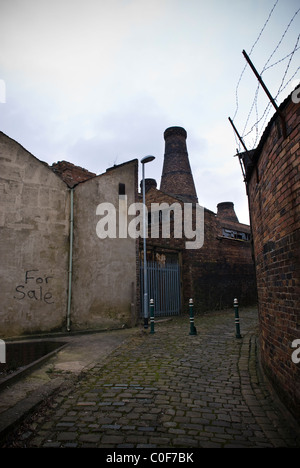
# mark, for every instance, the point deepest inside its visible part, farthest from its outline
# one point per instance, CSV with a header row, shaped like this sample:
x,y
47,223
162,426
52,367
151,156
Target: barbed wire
x,y
260,121
251,50
288,66
281,60
280,41
268,108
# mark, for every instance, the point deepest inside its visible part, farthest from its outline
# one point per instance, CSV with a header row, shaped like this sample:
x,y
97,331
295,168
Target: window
x,y
121,189
232,234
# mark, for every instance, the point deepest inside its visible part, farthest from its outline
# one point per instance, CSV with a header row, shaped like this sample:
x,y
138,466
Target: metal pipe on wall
x,y
70,260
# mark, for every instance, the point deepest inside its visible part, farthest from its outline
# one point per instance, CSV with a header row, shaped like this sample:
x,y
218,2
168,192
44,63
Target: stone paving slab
x,y
167,390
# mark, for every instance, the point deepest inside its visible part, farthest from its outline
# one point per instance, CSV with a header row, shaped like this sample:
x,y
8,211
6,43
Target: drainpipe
x,y
70,260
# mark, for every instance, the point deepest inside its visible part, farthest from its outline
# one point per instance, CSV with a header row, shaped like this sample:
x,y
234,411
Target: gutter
x,y
70,259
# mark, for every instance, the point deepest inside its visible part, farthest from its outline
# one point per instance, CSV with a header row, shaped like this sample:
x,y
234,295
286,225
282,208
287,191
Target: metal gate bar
x,y
163,287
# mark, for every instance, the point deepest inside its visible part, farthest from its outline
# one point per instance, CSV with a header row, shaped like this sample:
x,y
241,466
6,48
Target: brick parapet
x,y
70,173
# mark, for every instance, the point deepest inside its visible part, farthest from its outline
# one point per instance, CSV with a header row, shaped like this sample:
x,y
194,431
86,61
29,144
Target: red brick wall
x,y
213,275
220,271
274,195
70,173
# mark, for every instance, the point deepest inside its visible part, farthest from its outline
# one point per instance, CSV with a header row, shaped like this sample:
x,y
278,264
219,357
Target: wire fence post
x,y
283,124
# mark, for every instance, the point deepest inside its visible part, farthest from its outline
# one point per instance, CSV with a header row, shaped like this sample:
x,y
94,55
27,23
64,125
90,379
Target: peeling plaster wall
x,y
104,270
34,240
35,243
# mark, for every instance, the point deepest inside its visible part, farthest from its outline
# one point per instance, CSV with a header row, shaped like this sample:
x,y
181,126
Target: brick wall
x,y
274,195
213,275
220,271
70,173
223,268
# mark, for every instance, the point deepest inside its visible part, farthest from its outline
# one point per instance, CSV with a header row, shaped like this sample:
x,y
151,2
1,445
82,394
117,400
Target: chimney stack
x,y
226,212
149,183
177,178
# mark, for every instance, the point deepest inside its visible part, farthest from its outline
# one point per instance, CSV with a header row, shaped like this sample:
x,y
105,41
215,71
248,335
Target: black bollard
x,y
237,319
193,330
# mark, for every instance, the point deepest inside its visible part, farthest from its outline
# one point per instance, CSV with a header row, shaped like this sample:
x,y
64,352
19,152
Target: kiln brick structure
x,y
273,182
177,178
223,268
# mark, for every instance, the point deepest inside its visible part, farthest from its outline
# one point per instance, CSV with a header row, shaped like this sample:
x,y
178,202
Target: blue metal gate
x,y
163,287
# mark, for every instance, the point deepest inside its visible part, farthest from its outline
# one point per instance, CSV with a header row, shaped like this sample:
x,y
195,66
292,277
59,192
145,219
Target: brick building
x,y
273,184
222,268
57,273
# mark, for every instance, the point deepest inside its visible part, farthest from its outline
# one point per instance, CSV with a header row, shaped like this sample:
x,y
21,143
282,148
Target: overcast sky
x,y
97,82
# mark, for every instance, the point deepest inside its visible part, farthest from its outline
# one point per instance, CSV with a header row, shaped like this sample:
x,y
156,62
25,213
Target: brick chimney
x,y
177,178
149,183
226,212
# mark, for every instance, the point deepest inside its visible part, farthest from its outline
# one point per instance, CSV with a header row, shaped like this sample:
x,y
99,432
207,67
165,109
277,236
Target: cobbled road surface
x,y
168,389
